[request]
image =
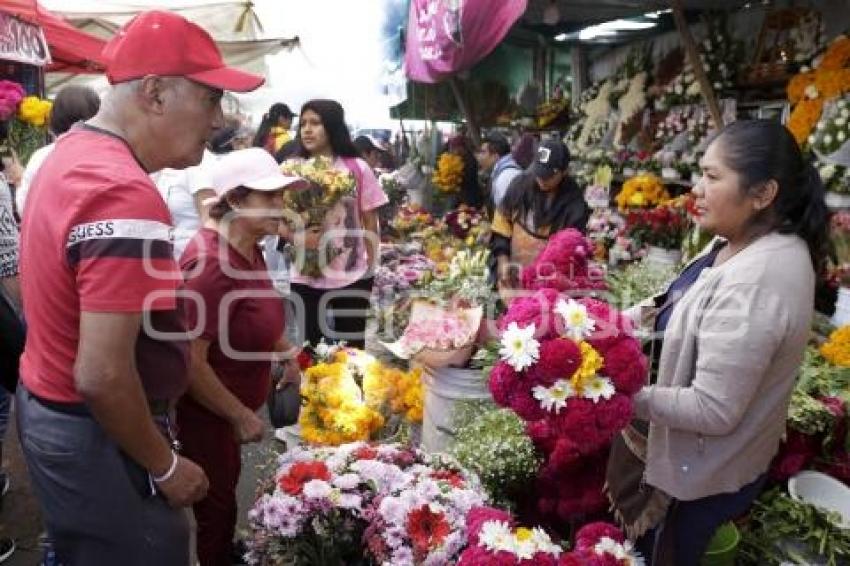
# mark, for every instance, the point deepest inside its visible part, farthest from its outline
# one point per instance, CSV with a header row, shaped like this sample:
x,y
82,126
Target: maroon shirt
x,y
236,309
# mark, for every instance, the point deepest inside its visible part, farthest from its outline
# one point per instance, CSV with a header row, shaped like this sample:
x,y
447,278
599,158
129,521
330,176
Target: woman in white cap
x,y
237,324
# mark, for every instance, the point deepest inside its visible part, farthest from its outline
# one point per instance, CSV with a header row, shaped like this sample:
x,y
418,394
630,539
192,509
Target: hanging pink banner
x,y
448,36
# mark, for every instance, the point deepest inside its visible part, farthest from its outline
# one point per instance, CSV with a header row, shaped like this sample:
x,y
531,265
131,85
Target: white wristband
x,y
171,469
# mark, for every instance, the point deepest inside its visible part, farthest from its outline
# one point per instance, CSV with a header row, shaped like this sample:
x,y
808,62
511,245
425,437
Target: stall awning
x,y
71,50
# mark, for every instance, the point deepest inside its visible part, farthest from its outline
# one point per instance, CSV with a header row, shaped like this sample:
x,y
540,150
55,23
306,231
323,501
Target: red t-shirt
x,y
97,237
237,309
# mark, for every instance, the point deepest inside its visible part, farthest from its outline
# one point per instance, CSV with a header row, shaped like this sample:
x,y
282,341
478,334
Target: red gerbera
x,y
427,529
302,472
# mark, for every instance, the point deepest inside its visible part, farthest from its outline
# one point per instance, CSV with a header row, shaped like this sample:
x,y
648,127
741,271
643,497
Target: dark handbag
x,y
12,336
284,402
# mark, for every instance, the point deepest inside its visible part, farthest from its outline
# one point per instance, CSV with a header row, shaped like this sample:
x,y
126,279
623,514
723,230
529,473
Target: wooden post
x,y
463,104
693,56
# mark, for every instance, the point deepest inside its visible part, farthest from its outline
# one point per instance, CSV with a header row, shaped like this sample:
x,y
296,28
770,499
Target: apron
x,y
525,246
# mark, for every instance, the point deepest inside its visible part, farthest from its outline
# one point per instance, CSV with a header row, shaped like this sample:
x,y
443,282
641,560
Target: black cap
x,y
282,110
552,156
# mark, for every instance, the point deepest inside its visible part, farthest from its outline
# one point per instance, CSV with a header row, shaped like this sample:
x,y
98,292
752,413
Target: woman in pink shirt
x,y
343,288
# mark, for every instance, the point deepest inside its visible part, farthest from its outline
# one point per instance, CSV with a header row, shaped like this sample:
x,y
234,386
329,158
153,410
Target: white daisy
x,y
841,136
519,347
827,139
554,398
597,388
496,536
577,322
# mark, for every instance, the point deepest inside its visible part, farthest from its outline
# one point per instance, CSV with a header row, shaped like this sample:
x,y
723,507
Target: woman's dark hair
x,y
761,150
333,119
222,208
270,119
73,104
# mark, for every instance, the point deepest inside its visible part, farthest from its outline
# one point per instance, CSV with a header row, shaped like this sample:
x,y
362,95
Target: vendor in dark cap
x,y
369,151
540,202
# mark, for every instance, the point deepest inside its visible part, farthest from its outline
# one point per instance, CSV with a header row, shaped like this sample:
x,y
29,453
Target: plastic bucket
x,y
723,547
663,257
444,387
842,308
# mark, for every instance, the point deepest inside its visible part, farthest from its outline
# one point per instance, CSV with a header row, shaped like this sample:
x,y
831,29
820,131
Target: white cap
x,y
253,168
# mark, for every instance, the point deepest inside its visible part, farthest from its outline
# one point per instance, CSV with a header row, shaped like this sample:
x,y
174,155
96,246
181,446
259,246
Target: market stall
x,y
513,403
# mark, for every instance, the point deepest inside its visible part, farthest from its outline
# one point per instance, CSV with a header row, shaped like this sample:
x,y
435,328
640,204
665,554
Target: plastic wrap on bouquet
x,y
455,352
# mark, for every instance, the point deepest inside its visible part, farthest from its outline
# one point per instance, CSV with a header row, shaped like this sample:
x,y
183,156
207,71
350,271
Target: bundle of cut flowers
x,y
836,178
27,117
495,539
449,174
832,130
840,235
664,226
438,329
387,504
465,282
603,228
564,265
569,369
601,544
818,434
494,445
411,218
398,282
641,191
466,221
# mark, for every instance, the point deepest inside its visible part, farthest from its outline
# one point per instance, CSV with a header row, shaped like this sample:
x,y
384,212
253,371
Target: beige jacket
x,y
731,353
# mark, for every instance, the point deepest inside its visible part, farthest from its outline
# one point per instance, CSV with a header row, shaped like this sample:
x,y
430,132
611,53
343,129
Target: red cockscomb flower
x,y
427,529
559,359
302,472
590,534
477,516
304,359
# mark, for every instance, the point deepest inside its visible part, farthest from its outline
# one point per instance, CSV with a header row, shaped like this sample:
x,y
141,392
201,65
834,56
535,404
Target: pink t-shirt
x,y
343,230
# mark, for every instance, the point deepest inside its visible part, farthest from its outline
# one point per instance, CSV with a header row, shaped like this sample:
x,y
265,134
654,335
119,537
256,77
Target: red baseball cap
x,y
166,44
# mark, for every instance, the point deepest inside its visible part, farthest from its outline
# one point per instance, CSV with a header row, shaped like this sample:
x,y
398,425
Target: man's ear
x,y
151,91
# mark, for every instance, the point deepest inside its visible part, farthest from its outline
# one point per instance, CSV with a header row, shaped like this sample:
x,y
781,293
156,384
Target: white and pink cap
x,y
253,168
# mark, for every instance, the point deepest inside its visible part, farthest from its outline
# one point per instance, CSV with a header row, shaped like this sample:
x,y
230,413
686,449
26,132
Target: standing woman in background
x,y
273,132
346,282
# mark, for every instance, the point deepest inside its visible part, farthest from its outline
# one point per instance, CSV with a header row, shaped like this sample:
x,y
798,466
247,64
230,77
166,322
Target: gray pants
x,y
97,503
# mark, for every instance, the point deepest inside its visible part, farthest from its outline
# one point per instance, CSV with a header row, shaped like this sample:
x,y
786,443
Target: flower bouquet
x,y
354,503
664,226
840,234
27,119
466,223
316,210
564,265
494,445
495,539
438,337
832,133
641,191
836,178
411,218
449,174
603,228
569,369
397,283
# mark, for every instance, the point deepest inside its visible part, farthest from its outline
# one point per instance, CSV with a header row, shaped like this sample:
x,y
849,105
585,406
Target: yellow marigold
x,y
641,190
449,173
836,350
33,110
591,363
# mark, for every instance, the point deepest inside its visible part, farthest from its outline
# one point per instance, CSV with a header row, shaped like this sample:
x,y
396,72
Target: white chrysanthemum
x,y
841,136
317,489
812,139
607,545
520,349
496,536
827,139
598,387
554,398
544,543
840,121
577,322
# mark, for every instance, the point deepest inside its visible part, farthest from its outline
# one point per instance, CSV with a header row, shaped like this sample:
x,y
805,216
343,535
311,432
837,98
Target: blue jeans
x,y
692,524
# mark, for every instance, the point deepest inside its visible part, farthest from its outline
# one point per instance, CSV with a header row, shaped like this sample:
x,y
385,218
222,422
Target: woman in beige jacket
x,y
735,324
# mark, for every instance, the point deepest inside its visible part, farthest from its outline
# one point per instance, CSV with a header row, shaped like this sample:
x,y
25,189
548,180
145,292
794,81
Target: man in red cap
x,y
106,352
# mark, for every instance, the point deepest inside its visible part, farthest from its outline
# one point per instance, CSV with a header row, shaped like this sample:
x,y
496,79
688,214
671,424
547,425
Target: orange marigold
x,y
837,55
804,117
797,86
831,83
